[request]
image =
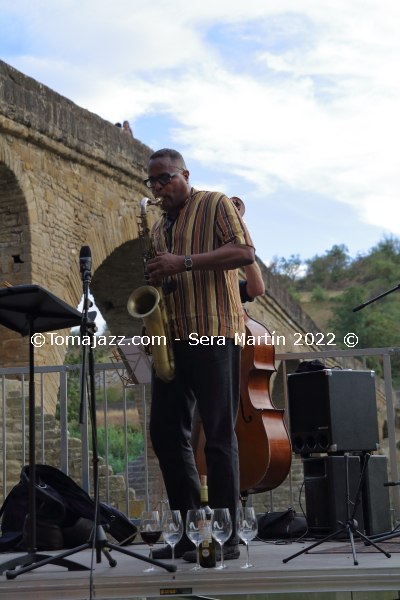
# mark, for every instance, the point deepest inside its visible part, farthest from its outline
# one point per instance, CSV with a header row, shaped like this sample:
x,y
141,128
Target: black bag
x,y
281,525
275,525
49,536
307,366
63,510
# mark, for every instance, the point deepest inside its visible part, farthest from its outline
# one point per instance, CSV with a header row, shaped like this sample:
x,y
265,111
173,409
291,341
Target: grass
x,y
116,440
116,417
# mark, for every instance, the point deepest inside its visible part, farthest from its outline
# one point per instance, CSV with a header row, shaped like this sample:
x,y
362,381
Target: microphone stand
x,y
376,298
98,538
88,329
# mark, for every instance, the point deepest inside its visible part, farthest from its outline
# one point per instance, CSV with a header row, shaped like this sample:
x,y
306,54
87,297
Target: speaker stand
x,y
351,524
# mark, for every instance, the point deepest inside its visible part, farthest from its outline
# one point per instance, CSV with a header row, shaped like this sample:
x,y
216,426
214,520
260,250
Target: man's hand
x,y
164,265
225,258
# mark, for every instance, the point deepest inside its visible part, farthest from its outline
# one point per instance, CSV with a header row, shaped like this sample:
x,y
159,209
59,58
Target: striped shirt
x,y
203,302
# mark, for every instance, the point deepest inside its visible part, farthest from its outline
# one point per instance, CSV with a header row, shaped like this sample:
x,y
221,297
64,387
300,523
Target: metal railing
x,y
103,368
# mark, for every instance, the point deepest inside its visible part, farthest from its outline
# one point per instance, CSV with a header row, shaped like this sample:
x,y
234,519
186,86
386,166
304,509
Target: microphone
x,y
85,262
391,483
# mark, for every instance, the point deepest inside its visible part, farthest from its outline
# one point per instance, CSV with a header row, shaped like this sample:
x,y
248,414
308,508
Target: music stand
x,y
132,353
28,310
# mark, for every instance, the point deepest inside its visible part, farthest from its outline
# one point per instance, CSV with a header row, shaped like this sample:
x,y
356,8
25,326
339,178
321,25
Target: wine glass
x,y
221,524
172,528
247,528
150,530
196,530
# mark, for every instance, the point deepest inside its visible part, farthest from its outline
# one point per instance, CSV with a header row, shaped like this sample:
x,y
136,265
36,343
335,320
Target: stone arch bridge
x,y
68,178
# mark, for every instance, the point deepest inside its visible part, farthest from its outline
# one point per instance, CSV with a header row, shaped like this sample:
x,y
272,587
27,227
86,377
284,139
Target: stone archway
x,y
115,279
15,257
16,268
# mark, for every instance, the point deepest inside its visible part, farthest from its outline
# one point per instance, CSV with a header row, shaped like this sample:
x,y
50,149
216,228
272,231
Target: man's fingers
x,y
154,277
152,266
160,266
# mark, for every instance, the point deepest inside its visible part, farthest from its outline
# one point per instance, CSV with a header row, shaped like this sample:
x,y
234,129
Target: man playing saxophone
x,y
200,241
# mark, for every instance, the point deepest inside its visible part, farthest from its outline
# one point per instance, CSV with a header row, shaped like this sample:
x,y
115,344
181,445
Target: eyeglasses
x,y
164,178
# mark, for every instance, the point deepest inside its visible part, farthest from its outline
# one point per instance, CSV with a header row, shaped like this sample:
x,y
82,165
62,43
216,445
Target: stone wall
x,y
67,178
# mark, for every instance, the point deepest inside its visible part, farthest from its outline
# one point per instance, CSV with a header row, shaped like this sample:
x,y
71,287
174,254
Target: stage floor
x,y
302,577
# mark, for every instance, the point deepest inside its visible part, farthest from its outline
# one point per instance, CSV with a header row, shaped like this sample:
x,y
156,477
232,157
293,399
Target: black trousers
x,y
209,375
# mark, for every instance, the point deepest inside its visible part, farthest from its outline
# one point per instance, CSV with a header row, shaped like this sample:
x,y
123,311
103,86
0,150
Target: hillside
x,y
334,283
321,311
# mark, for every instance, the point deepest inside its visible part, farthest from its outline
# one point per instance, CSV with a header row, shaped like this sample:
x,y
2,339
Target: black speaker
x,y
333,411
325,491
376,501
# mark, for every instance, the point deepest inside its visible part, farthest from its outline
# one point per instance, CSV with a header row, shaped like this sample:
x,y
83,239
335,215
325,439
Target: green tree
x,y
344,320
291,266
331,267
376,326
287,269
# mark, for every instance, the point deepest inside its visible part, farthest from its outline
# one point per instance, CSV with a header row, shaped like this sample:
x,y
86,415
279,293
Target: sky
x,y
293,105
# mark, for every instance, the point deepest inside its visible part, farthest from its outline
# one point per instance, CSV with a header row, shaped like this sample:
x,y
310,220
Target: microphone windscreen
x,y
85,252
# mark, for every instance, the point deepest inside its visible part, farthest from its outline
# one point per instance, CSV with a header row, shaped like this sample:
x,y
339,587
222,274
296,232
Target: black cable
x,y
302,510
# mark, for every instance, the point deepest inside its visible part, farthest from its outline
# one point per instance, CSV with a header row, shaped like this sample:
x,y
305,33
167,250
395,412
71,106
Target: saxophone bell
x,y
143,301
148,303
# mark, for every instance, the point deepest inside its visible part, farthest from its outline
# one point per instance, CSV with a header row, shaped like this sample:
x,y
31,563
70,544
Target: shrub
x,y
318,294
113,394
116,443
295,295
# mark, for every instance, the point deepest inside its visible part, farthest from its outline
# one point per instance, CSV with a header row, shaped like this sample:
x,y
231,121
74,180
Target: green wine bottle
x,y
207,546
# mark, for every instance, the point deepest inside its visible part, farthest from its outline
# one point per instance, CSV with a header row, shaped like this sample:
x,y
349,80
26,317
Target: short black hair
x,y
174,155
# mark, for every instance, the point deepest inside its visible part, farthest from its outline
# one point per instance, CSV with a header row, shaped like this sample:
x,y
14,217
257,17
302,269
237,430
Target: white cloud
x,y
316,110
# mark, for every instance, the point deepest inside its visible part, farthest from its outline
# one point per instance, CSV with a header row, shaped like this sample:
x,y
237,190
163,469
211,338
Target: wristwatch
x,y
188,263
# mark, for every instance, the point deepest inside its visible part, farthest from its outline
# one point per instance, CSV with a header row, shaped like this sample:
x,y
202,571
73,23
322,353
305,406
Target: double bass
x,y
265,453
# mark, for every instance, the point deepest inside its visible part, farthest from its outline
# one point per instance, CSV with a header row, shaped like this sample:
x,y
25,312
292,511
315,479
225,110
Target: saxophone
x,y
148,303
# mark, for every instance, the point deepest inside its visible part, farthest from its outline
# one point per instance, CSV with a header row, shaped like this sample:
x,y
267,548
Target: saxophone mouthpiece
x,y
145,202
